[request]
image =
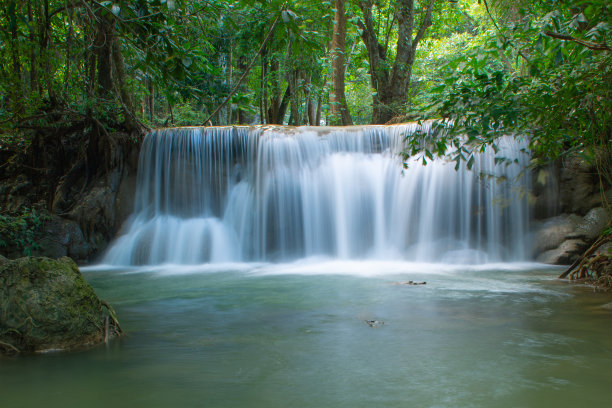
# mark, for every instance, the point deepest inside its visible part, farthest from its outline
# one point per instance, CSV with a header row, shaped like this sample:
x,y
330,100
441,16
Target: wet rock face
x,y
62,237
579,185
567,207
561,240
46,304
566,253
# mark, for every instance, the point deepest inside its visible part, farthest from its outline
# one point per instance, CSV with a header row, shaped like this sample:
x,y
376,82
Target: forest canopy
x,y
490,67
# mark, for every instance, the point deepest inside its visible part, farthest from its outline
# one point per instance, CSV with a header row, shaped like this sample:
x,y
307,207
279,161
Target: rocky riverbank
x,y
79,175
568,210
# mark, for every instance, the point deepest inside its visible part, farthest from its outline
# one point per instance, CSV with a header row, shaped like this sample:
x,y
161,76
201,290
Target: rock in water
x,y
46,305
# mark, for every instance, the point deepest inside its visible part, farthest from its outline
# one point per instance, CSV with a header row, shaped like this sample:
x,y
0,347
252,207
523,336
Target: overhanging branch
x,y
589,44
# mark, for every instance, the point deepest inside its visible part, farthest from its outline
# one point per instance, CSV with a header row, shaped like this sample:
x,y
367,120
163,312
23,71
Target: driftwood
x,y
410,283
374,323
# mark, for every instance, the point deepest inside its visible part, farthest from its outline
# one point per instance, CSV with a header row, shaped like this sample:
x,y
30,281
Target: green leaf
x,y
470,162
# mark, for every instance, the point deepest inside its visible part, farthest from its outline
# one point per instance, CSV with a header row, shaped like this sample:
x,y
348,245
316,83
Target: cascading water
x,y
238,194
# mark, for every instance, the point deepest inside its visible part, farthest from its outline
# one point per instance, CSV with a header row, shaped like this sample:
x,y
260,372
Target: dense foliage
x,y
490,67
163,62
544,70
21,230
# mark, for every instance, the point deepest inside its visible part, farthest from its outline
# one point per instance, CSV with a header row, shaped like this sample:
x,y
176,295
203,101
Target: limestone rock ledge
x,y
46,305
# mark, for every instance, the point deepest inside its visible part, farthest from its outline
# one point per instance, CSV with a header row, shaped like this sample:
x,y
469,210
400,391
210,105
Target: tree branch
x,y
589,44
506,39
424,26
368,35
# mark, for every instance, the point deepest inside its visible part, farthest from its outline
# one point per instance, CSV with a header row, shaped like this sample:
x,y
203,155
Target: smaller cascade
x,y
237,194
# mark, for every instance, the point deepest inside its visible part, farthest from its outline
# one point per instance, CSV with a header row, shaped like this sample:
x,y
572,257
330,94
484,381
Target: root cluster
x,y
594,266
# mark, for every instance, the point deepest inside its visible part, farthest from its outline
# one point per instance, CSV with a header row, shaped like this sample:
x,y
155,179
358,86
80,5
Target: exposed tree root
x,y
111,322
9,348
593,267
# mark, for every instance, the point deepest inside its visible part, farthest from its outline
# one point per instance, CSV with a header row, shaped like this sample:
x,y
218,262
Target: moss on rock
x,y
46,304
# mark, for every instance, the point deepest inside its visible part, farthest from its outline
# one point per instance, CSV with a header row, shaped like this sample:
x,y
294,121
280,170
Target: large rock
x,y
62,237
46,304
570,185
565,254
553,232
594,223
562,239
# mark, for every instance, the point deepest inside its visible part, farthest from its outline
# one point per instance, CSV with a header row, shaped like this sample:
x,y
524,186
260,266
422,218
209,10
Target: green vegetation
x,y
173,62
490,66
545,71
21,231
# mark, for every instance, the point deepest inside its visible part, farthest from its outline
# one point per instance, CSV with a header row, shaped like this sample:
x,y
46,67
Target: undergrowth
x,y
21,231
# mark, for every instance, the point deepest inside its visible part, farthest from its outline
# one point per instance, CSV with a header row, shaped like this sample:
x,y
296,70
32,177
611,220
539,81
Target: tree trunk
x,y
230,68
103,48
150,98
33,62
241,116
120,85
278,108
319,109
263,101
339,109
312,114
391,86
69,55
310,107
294,118
16,94
273,113
45,45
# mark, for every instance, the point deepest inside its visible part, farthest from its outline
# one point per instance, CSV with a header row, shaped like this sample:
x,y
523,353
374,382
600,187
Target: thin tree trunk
x,y
339,109
45,45
277,97
294,118
240,113
263,103
33,61
171,113
16,89
319,109
229,82
282,109
68,54
310,109
150,98
120,84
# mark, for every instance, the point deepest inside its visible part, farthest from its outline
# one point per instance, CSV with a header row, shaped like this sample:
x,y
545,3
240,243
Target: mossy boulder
x,y
46,304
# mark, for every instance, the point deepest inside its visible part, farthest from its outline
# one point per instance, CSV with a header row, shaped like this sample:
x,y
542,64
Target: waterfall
x,y
240,194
